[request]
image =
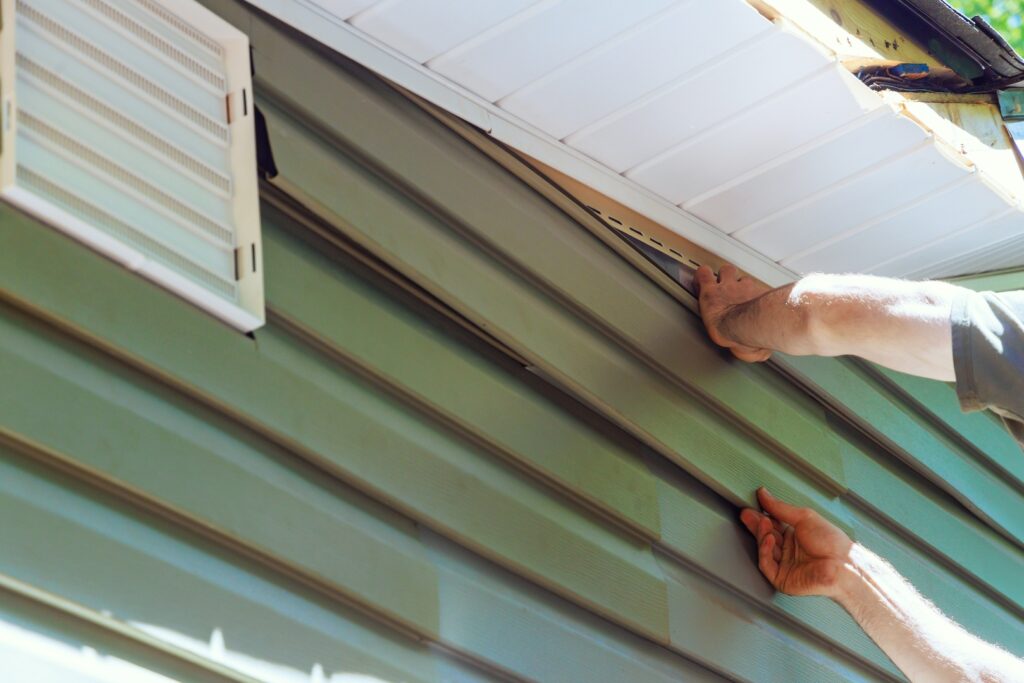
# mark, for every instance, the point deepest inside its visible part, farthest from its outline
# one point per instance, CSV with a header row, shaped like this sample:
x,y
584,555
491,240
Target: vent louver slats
x,y
128,125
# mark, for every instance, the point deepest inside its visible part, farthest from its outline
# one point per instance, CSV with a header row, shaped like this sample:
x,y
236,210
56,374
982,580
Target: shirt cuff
x,y
963,352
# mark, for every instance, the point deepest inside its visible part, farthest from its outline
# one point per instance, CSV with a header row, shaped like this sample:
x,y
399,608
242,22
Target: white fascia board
x,y
417,79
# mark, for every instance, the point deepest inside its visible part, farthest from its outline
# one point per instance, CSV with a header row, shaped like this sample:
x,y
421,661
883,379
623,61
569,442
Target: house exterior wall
x,y
472,443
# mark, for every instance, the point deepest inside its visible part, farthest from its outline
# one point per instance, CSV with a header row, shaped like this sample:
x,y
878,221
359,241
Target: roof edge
x,y
971,47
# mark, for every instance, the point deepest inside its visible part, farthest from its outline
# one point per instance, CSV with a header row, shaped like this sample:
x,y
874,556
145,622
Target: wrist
x,y
774,320
853,576
727,325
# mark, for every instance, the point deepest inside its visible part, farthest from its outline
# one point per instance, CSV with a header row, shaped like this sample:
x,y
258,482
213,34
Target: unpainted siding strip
x,y
443,262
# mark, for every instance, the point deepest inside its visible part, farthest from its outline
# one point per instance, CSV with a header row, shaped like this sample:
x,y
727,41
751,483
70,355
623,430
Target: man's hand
x,y
799,552
719,296
802,554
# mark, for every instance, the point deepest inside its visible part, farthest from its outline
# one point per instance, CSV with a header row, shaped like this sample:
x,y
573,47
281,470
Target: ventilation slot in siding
x,y
667,258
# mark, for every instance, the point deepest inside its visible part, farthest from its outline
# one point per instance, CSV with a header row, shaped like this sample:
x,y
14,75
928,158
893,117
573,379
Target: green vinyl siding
x,y
992,281
987,439
591,559
173,586
472,443
441,258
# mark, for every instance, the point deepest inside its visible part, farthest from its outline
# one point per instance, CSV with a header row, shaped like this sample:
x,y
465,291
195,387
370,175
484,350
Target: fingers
x,y
767,528
758,525
788,554
766,560
781,532
751,519
790,514
769,535
704,276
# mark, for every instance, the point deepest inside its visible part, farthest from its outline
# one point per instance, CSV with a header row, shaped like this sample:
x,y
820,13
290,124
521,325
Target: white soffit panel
x,y
600,82
811,176
1008,255
424,29
344,9
966,202
1002,232
128,125
855,201
663,118
744,135
536,41
757,134
1003,256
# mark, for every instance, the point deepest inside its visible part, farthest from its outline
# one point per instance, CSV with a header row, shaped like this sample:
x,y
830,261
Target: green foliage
x,y
1005,16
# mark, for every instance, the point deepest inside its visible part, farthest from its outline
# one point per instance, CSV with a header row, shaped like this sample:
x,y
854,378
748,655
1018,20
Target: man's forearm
x,y
924,643
900,324
776,320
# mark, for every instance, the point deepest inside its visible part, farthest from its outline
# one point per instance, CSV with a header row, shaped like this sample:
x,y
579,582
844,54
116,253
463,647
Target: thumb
x,y
784,512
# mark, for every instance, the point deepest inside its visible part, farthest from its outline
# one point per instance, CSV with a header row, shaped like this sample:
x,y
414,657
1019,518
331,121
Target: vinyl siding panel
x,y
461,181
472,443
178,589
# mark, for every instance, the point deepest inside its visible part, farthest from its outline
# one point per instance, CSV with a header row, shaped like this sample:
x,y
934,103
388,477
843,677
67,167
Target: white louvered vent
x,y
129,125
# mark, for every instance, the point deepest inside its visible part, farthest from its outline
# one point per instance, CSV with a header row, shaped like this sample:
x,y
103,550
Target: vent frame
x,y
241,303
